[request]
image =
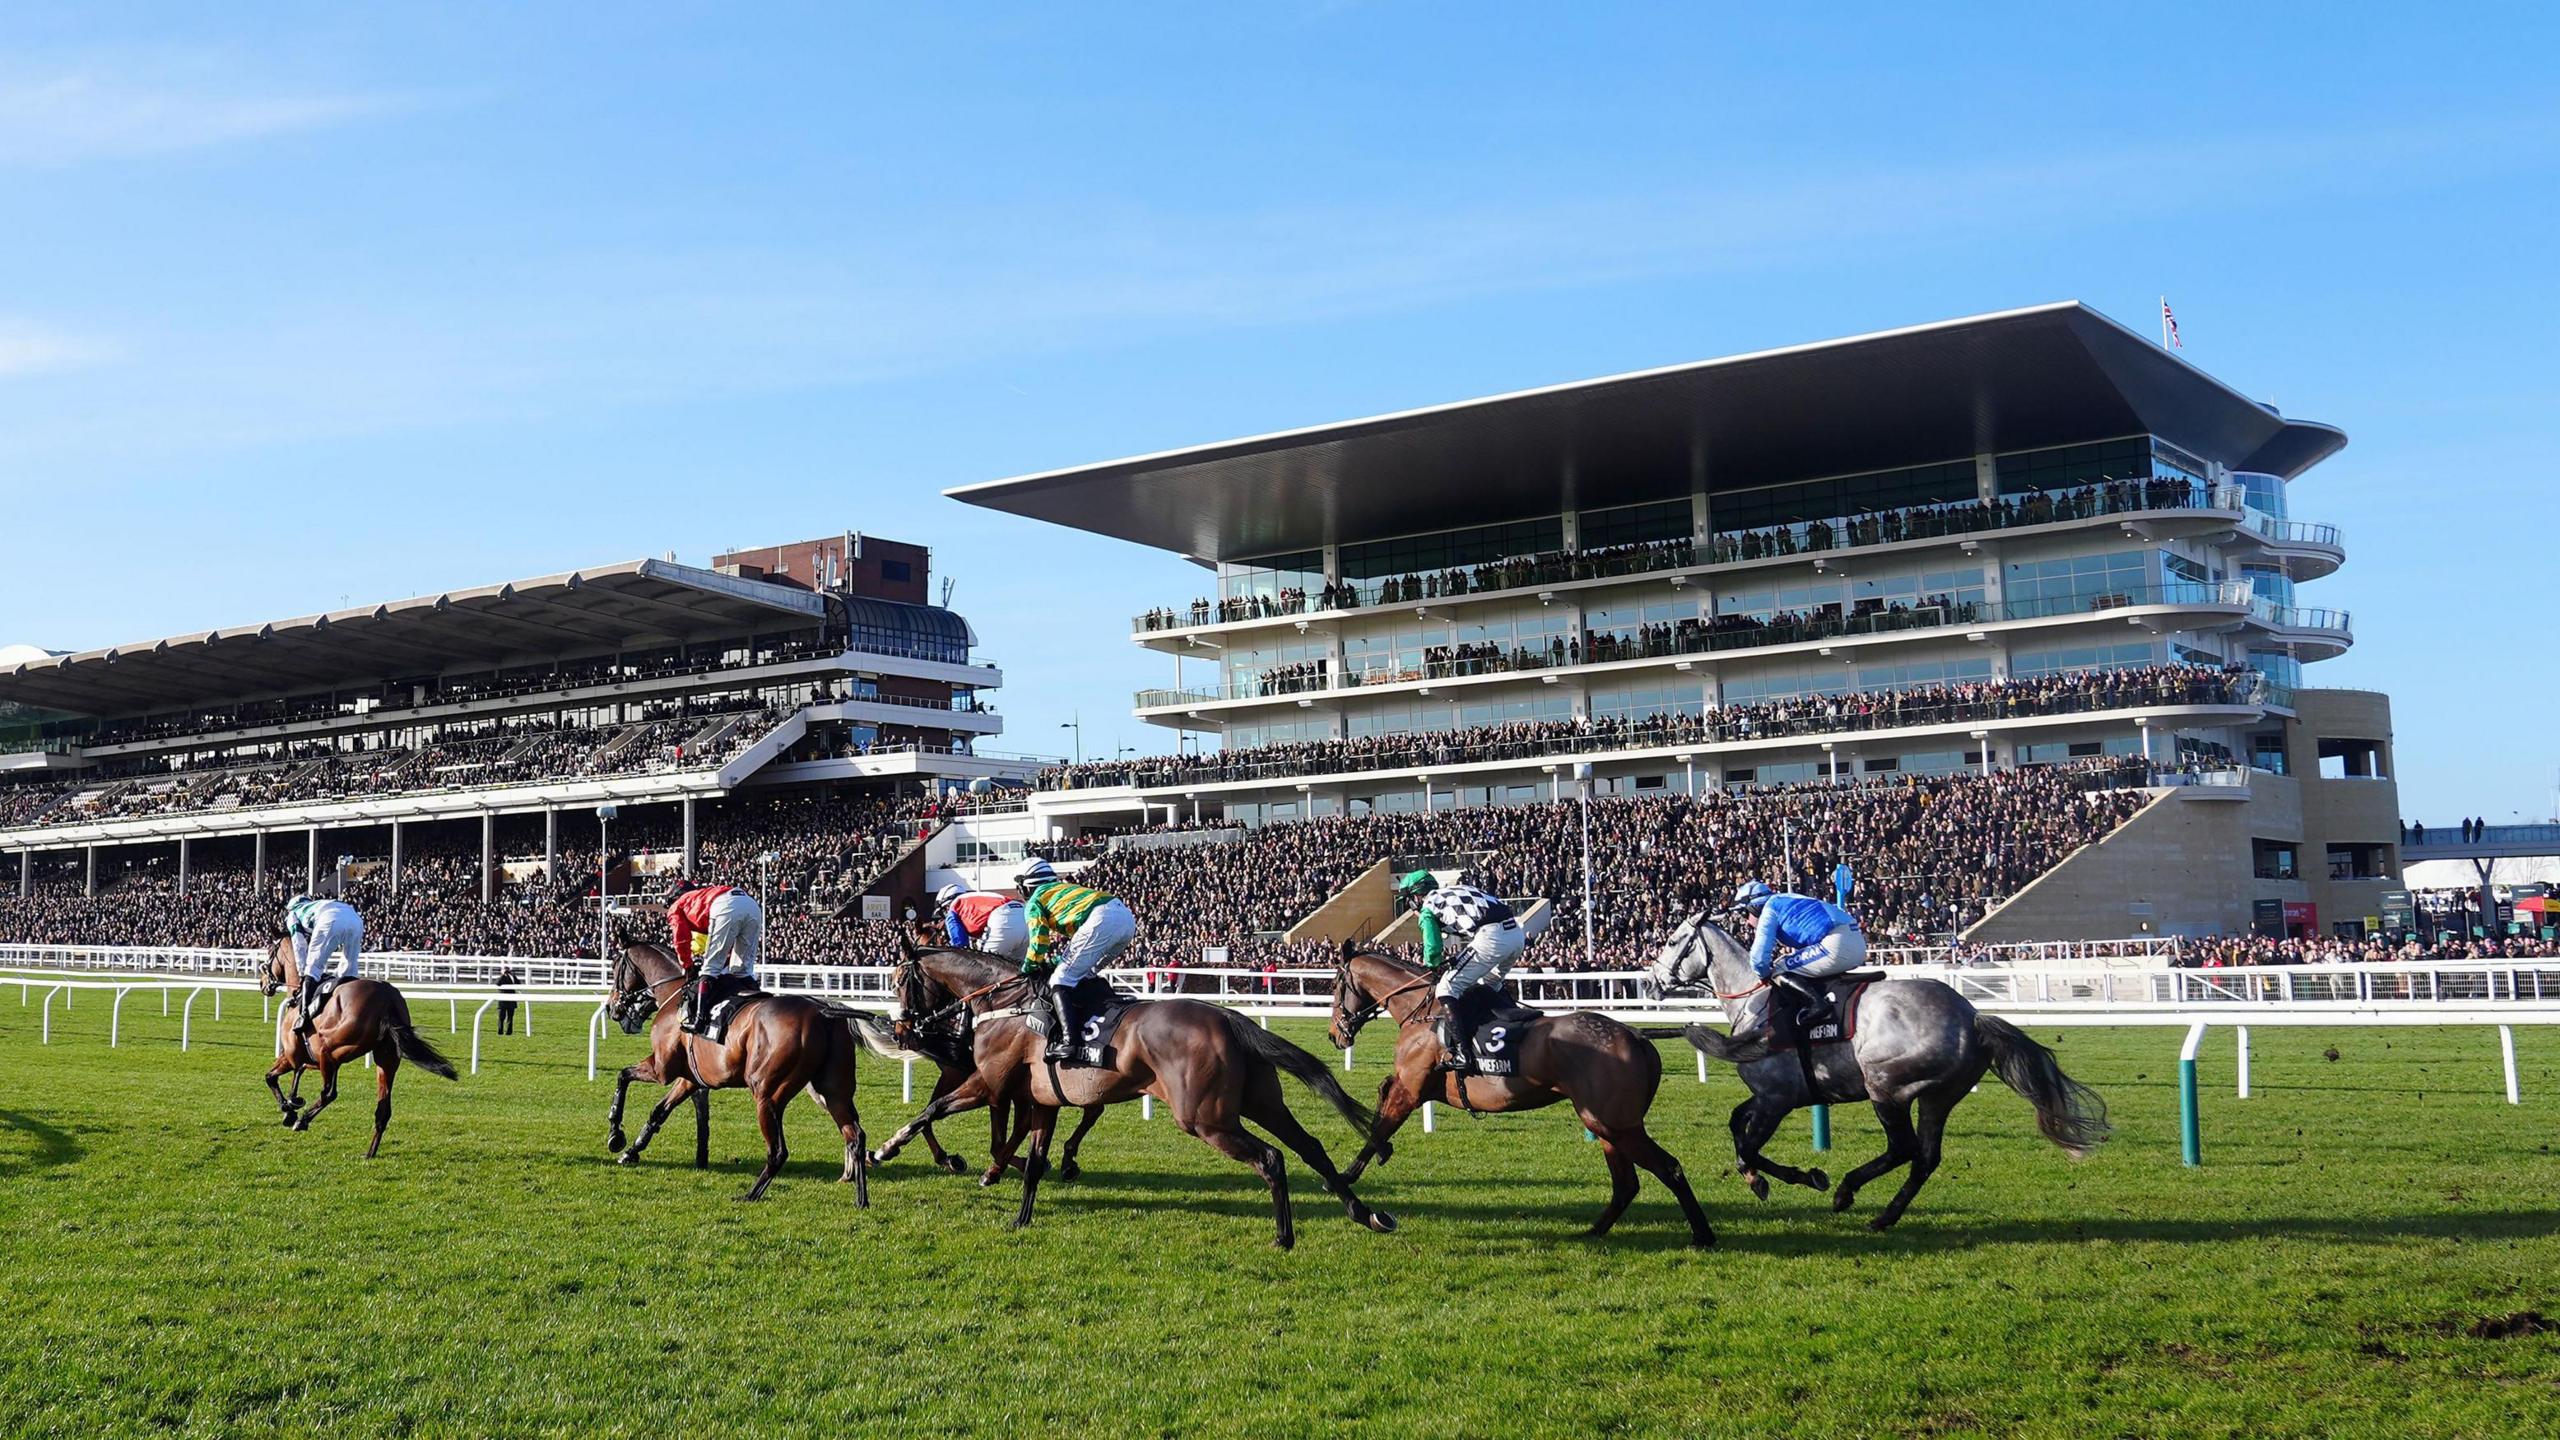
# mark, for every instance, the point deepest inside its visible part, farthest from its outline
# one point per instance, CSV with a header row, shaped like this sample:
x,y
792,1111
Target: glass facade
x,y
2067,466
1845,495
2071,582
1267,577
1856,595
1634,524
1449,549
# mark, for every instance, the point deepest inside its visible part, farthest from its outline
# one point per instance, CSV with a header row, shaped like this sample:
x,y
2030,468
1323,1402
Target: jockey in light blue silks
x,y
1820,938
327,937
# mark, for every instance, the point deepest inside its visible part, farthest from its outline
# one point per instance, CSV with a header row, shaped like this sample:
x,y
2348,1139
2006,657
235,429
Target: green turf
x,y
177,1261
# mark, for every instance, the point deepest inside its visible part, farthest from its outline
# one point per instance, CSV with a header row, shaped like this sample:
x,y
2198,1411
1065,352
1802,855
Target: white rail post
x,y
115,1019
217,1005
475,1033
187,1018
1427,1125
595,1033
1702,1067
2507,1049
47,1037
452,1017
1346,1059
907,1082
2242,1031
2190,1127
1146,1107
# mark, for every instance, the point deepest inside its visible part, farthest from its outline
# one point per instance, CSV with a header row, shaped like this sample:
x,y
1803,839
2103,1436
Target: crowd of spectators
x,y
2107,496
1931,855
665,736
2221,951
1856,710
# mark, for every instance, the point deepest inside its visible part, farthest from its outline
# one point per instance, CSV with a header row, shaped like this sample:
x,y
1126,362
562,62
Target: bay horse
x,y
1212,1068
1605,1070
1917,1050
776,1047
361,1017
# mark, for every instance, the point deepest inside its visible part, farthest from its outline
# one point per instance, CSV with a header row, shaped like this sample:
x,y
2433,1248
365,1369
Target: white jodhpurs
x,y
1007,933
1489,954
1106,931
332,950
1837,953
736,945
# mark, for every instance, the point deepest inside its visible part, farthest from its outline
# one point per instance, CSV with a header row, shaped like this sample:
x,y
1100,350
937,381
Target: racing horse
x,y
1606,1071
360,1017
1212,1068
1918,1048
776,1046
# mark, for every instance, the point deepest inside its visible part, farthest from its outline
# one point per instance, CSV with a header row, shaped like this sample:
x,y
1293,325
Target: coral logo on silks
x,y
1494,1039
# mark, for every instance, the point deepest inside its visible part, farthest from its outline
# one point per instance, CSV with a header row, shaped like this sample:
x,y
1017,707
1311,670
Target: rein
x,y
942,1012
1351,1023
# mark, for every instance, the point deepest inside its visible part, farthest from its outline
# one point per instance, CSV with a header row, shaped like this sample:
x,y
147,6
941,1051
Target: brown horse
x,y
361,1017
1212,1068
776,1047
1608,1072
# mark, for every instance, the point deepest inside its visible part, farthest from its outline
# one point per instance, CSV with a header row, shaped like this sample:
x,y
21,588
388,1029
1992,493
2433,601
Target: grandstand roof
x,y
2054,374
577,612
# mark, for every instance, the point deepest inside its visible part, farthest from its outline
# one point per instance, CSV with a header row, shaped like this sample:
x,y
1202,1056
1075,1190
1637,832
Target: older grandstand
x,y
785,716
1760,601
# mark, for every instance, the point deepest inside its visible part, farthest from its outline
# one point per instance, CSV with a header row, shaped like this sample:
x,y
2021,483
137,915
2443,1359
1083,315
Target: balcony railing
x,y
1952,519
1724,633
2298,532
2295,617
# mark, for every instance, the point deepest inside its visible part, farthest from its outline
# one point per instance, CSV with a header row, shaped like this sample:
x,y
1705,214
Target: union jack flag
x,y
2169,326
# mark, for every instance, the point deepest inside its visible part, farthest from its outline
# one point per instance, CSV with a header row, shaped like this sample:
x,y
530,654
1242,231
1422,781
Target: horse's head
x,y
1690,959
1353,1004
271,971
635,1001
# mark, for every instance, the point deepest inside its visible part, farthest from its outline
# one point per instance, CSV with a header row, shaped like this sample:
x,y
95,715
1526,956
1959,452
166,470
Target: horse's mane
x,y
1353,950
993,970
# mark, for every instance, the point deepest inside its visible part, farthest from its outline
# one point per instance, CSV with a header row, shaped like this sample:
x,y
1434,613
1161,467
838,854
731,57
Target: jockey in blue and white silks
x,y
1820,938
327,936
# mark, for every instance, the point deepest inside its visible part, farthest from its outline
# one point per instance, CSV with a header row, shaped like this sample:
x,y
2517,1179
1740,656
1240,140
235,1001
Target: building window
x,y
896,570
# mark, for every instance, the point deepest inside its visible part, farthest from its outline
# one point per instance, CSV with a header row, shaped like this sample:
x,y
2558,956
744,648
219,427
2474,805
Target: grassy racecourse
x,y
177,1261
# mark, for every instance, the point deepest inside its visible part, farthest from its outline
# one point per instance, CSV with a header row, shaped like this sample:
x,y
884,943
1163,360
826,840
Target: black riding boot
x,y
1062,1032
1454,1033
305,1001
696,1005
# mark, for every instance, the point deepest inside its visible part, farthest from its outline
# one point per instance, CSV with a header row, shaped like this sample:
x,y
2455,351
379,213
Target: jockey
x,y
721,923
985,920
1457,918
1822,939
1075,929
327,935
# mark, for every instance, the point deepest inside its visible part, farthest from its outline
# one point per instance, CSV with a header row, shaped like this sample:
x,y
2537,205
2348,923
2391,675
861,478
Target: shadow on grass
x,y
53,1145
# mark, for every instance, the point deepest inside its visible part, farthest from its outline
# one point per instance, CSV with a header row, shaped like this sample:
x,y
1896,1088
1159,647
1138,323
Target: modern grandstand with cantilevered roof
x,y
2001,541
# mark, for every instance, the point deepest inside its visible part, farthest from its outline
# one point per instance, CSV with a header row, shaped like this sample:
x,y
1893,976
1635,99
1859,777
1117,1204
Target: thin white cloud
x,y
73,114
27,350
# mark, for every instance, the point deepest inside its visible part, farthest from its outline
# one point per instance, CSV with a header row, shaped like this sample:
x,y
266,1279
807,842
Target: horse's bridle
x,y
1377,1006
940,1015
625,1008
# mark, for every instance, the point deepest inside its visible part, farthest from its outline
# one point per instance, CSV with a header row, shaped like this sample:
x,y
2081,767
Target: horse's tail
x,y
2069,1113
879,1035
415,1049
1719,1046
1306,1069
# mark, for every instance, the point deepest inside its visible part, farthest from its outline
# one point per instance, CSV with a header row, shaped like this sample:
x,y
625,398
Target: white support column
x,y
89,885
399,831
257,875
550,844
26,873
691,858
186,845
311,864
1986,477
488,856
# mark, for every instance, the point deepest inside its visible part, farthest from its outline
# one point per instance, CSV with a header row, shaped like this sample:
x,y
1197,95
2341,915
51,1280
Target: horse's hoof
x,y
1380,1221
1017,1224
1386,1152
989,1178
952,1163
1817,1182
627,1157
749,1198
879,1158
615,1144
1759,1186
1842,1199
1285,1242
287,1121
1882,1223
1702,1242
1070,1171
1596,1232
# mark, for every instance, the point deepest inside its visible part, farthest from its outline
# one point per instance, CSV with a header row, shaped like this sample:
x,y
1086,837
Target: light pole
x,y
1582,783
1077,725
604,878
340,879
764,875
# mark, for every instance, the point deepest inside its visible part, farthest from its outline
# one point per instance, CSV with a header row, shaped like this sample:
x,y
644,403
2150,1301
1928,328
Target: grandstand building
x,y
2011,540
487,728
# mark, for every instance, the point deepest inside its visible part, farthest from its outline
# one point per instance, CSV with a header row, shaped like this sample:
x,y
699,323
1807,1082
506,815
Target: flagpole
x,y
2164,322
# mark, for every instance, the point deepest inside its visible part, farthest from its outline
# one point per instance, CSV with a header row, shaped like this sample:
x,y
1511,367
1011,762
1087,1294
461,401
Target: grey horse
x,y
1919,1048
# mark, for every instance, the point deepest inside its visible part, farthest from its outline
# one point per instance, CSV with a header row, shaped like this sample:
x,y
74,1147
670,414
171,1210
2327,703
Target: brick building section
x,y
856,564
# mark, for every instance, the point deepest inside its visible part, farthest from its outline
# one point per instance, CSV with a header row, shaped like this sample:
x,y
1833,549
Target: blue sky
x,y
305,306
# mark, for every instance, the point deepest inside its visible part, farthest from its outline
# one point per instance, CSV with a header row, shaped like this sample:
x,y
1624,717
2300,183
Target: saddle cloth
x,y
320,1000
727,997
1502,1023
1833,1017
1100,1006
